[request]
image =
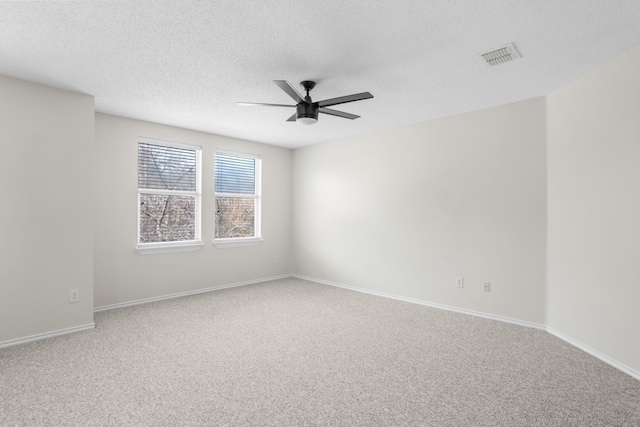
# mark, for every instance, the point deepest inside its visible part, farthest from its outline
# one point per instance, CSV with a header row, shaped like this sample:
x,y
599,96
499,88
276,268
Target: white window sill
x,y
236,243
165,248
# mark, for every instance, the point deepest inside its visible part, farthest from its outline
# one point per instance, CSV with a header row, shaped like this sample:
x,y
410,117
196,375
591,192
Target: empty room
x,y
336,213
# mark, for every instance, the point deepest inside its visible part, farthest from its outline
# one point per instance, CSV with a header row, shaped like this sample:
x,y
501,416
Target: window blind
x,y
161,167
234,174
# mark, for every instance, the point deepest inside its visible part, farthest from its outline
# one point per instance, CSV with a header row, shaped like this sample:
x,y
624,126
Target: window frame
x,y
182,245
256,239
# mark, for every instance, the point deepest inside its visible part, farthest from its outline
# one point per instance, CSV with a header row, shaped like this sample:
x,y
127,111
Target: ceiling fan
x,y
307,110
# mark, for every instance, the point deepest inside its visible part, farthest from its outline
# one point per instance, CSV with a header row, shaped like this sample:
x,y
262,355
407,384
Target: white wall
x,y
46,220
407,210
594,210
123,275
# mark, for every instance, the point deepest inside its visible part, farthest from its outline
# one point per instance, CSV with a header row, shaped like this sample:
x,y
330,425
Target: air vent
x,y
501,55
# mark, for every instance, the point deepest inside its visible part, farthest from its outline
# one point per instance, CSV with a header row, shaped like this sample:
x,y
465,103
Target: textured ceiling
x,y
187,63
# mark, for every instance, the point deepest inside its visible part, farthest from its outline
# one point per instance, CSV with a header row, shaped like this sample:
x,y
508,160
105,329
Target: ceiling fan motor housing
x,y
307,111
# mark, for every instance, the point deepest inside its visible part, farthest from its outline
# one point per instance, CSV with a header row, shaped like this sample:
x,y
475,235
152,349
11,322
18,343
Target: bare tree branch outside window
x,y
234,217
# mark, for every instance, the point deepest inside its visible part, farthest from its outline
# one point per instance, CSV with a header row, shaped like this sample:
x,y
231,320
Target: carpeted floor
x,y
296,353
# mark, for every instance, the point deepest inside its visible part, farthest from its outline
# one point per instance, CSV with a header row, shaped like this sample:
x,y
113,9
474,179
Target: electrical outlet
x,y
74,295
277,258
459,282
486,286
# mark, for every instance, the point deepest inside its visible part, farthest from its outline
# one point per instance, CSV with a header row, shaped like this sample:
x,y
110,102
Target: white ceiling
x,y
187,63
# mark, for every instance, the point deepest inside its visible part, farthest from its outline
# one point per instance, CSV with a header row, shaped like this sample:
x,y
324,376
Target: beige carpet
x,y
296,353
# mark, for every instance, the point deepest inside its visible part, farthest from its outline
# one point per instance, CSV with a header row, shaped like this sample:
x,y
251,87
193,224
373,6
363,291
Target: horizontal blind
x,y
235,174
161,167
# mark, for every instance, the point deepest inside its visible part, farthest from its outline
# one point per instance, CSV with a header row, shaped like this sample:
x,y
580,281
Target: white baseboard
x,y
183,294
620,366
587,349
426,303
46,335
37,337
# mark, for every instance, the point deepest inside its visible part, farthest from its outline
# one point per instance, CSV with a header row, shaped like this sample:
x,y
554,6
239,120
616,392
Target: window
x,y
168,196
237,195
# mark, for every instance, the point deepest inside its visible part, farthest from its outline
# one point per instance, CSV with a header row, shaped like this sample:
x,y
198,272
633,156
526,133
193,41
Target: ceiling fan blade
x,y
343,99
338,113
293,117
261,104
290,90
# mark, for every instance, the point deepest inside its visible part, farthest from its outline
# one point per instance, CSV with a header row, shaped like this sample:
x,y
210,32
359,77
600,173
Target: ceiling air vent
x,y
501,55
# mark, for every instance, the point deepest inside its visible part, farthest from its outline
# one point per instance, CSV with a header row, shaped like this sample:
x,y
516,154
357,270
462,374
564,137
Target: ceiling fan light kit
x,y
306,110
305,120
